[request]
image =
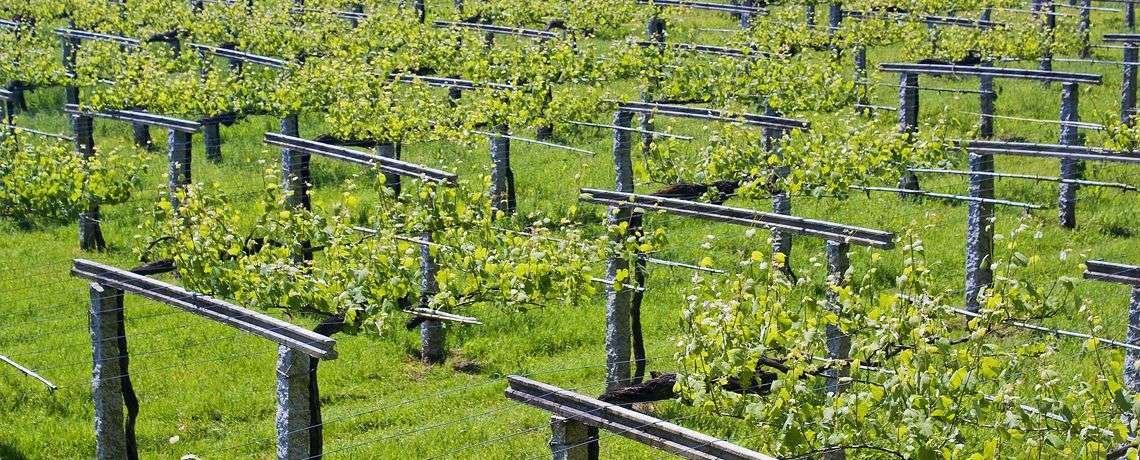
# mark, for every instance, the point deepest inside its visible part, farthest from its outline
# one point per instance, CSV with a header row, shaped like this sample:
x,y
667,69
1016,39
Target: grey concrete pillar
x,y
1084,26
1132,337
294,416
1070,169
834,17
1128,88
655,32
619,298
294,168
502,178
986,101
431,330
781,202
140,134
90,233
908,121
178,163
979,231
107,373
861,80
572,440
838,342
390,150
1130,15
212,139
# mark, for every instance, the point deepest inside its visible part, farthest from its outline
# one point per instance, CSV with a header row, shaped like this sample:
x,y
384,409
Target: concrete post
x,y
212,138
1128,88
861,80
572,440
986,100
781,202
979,231
107,373
502,178
1070,169
390,150
294,417
178,163
431,330
618,297
838,342
295,168
908,121
1132,337
90,233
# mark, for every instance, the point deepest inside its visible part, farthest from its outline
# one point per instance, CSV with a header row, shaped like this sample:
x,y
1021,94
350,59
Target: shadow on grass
x,y
10,453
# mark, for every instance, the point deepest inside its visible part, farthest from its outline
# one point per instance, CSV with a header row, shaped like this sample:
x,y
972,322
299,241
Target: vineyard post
x,y
809,13
421,10
655,31
294,416
979,229
1070,168
294,167
619,297
1131,357
107,373
861,80
357,8
502,178
178,161
212,139
781,202
834,16
90,234
1084,26
70,46
746,18
572,440
908,120
390,150
986,99
838,342
1050,11
1130,14
431,330
1128,88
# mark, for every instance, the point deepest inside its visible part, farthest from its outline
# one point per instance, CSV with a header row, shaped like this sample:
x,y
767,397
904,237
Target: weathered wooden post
x,y
809,13
1130,14
745,17
357,8
1047,8
908,120
107,373
619,297
838,342
294,416
979,229
431,330
390,150
502,178
1070,168
572,440
178,163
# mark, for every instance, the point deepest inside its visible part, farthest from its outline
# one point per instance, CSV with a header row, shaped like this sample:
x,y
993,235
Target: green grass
x,y
207,391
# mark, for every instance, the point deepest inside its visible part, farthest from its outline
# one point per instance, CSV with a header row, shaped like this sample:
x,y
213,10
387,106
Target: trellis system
x,y
111,386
